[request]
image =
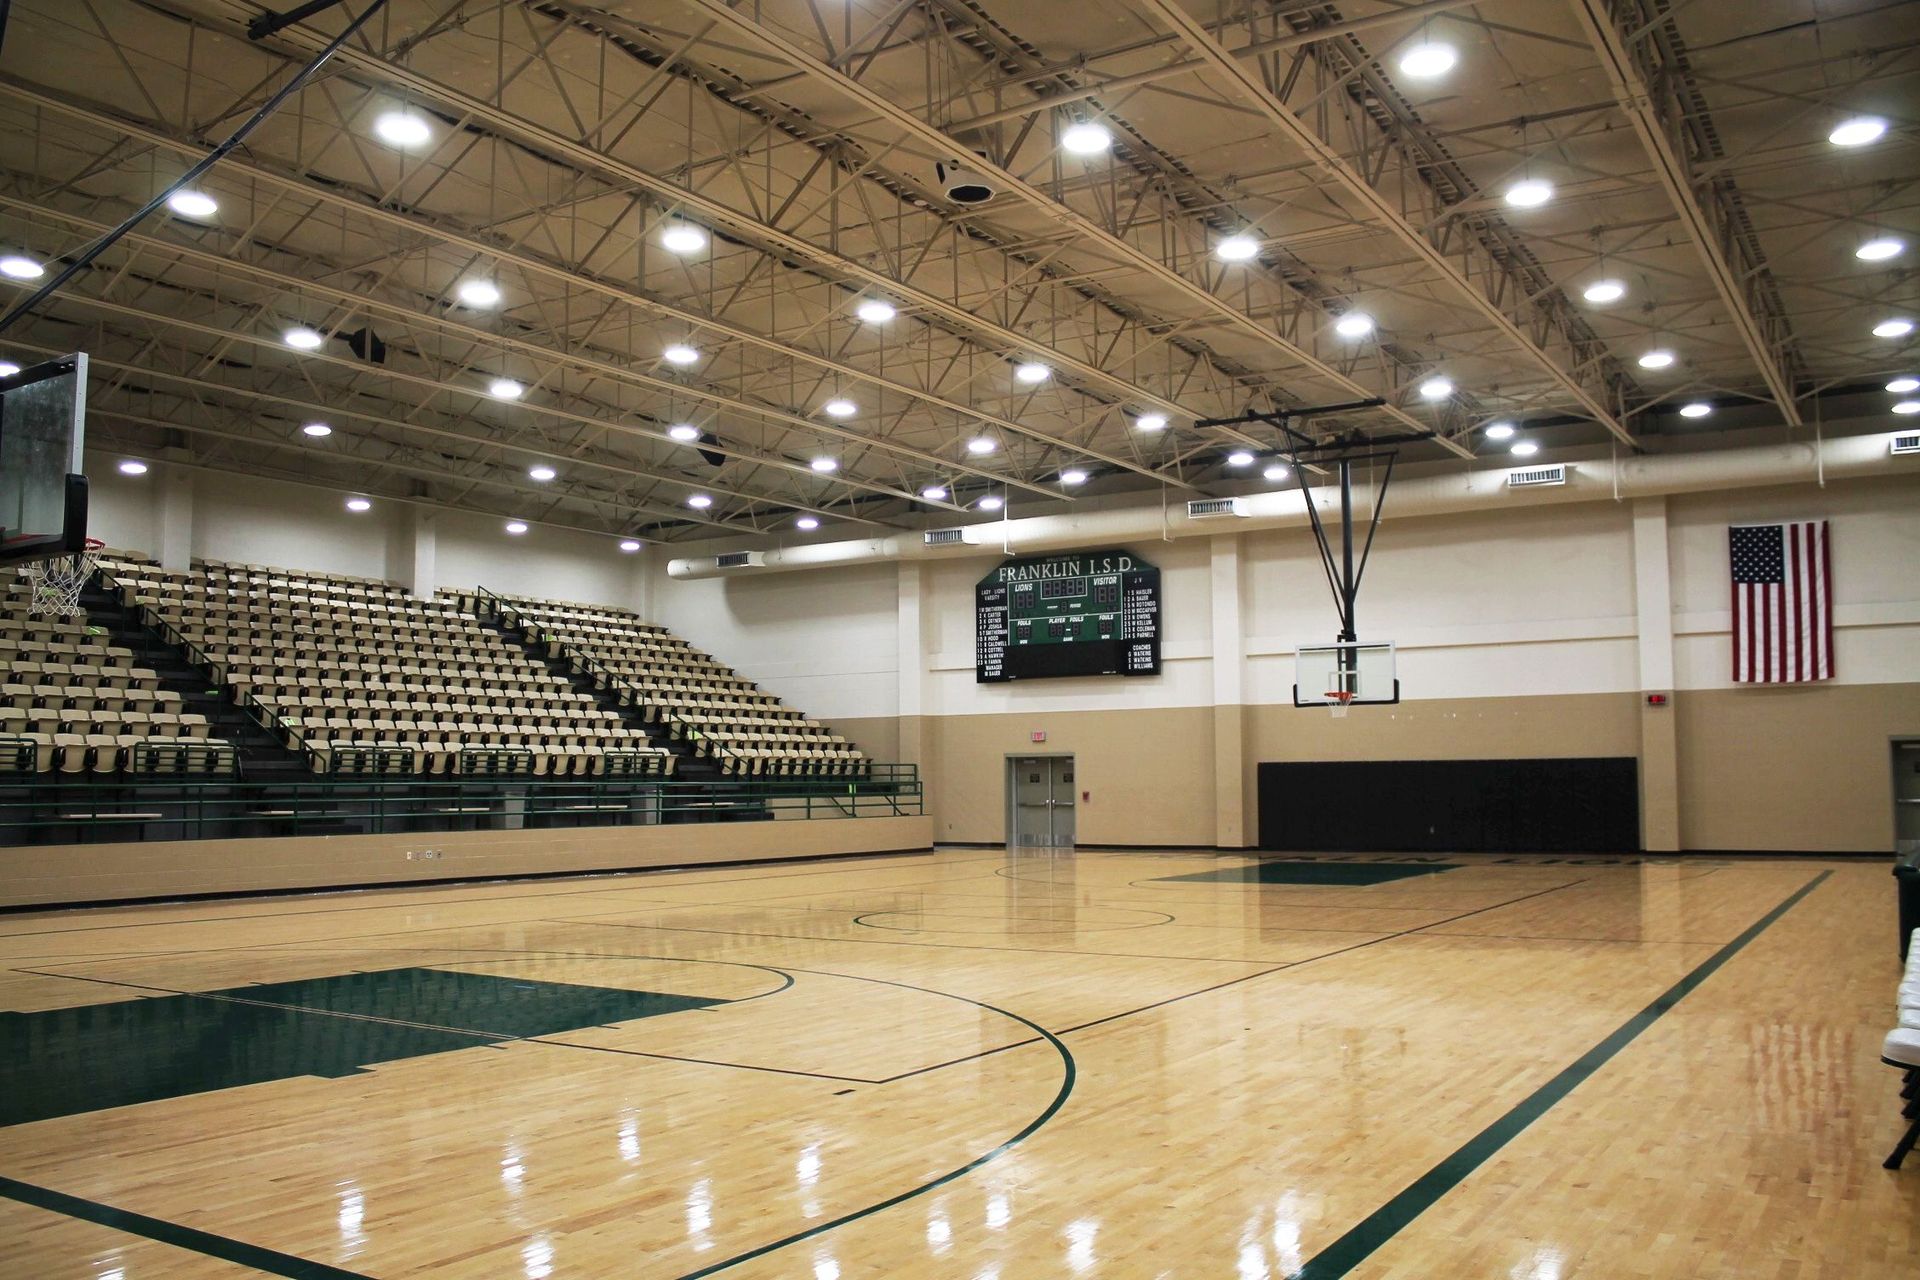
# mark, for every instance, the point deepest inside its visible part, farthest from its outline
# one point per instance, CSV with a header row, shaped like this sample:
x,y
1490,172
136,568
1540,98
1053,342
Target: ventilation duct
x,y
1443,491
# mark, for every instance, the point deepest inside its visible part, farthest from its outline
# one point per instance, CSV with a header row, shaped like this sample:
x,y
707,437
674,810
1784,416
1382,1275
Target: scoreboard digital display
x,y
1096,613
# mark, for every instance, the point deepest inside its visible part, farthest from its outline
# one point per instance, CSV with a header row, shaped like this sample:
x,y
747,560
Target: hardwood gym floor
x,y
971,1065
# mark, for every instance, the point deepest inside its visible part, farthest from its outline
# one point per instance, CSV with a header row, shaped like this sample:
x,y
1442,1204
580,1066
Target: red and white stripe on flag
x,y
1782,602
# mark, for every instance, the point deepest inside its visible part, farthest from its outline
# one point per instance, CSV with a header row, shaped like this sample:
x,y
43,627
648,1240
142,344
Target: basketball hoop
x,y
58,582
1338,700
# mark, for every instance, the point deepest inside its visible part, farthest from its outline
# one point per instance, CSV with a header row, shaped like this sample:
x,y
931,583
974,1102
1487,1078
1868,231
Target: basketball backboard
x,y
43,493
1323,672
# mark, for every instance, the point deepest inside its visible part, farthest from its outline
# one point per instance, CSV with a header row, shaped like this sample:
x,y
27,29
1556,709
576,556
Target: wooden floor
x,y
972,1065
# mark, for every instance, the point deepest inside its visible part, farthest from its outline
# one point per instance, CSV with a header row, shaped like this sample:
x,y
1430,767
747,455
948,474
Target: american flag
x,y
1782,602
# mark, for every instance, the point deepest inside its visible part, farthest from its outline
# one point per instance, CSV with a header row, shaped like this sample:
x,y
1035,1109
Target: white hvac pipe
x,y
1592,480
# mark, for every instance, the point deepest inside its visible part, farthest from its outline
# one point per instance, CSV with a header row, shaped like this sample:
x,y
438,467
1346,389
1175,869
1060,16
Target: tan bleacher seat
x,y
743,728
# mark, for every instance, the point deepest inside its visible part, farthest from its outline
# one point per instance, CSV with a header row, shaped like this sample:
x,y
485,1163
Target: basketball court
x,y
951,638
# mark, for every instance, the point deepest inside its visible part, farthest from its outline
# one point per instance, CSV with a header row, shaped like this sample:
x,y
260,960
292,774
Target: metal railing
x,y
55,811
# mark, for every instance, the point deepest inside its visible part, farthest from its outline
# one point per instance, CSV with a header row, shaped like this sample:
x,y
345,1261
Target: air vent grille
x,y
1213,508
1530,477
739,560
1909,443
944,537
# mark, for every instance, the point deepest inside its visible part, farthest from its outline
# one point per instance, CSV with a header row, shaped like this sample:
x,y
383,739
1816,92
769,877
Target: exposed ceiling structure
x,y
1182,203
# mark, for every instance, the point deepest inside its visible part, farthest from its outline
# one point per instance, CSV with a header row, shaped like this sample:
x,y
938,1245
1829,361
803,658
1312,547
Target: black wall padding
x,y
1451,806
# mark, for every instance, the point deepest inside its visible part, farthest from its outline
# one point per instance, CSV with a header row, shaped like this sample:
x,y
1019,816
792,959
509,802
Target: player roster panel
x,y
1095,613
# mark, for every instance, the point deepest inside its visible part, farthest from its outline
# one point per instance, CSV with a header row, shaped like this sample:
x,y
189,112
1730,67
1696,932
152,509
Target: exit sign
x,y
1038,735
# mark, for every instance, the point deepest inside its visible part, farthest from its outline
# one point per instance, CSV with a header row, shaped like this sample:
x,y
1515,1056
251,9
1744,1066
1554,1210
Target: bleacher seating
x,y
1902,1048
363,678
75,704
720,714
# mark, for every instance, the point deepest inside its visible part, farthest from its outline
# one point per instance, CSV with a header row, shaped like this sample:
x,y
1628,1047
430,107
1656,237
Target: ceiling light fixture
x,y
20,267
1858,131
1237,248
402,129
680,353
1151,422
1278,471
980,446
318,430
807,523
516,527
1436,389
359,504
684,432
132,467
1899,386
840,408
505,389
1604,291
1658,358
934,493
699,502
193,204
1525,448
682,237
1073,475
301,339
825,466
630,545
1085,138
1032,372
992,502
1898,327
1354,324
1697,409
478,293
1499,431
1907,406
1428,59
1529,193
874,311
1880,248
541,473
8,368
1239,458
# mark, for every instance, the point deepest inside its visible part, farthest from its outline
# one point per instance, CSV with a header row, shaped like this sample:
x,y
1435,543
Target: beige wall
x,y
1148,770
1791,768
165,868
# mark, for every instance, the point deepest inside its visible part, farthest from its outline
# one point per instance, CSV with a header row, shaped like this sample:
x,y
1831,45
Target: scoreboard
x,y
1096,613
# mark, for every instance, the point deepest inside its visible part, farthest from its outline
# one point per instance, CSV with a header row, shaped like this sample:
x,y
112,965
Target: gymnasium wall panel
x,y
553,564
255,521
825,641
1150,773
1792,767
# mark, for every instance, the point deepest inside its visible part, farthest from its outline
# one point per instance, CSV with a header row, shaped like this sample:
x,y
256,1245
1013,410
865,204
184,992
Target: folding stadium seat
x,y
106,751
71,751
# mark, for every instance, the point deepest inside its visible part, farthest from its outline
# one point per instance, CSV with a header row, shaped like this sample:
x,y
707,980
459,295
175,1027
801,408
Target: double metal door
x,y
1042,792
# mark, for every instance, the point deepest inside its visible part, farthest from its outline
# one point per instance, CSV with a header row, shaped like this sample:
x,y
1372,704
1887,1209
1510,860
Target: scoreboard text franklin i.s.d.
x,y
1096,613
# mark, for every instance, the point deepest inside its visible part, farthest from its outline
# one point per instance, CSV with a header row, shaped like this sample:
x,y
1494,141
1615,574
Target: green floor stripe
x,y
1380,1226
139,1224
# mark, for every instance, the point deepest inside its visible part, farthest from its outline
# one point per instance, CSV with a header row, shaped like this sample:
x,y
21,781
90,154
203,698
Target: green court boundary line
x,y
1384,1223
203,1242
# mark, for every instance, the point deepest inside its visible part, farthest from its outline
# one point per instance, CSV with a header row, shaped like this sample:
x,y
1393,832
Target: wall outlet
x,y
422,855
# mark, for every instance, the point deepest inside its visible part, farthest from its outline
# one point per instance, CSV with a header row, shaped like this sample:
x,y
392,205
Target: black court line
x,y
1380,1226
270,1261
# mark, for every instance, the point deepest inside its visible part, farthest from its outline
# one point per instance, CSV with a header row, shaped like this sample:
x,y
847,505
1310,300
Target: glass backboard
x,y
1321,672
43,495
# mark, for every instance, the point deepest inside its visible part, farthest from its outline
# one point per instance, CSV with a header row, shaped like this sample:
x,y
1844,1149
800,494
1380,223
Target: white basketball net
x,y
1337,703
57,583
